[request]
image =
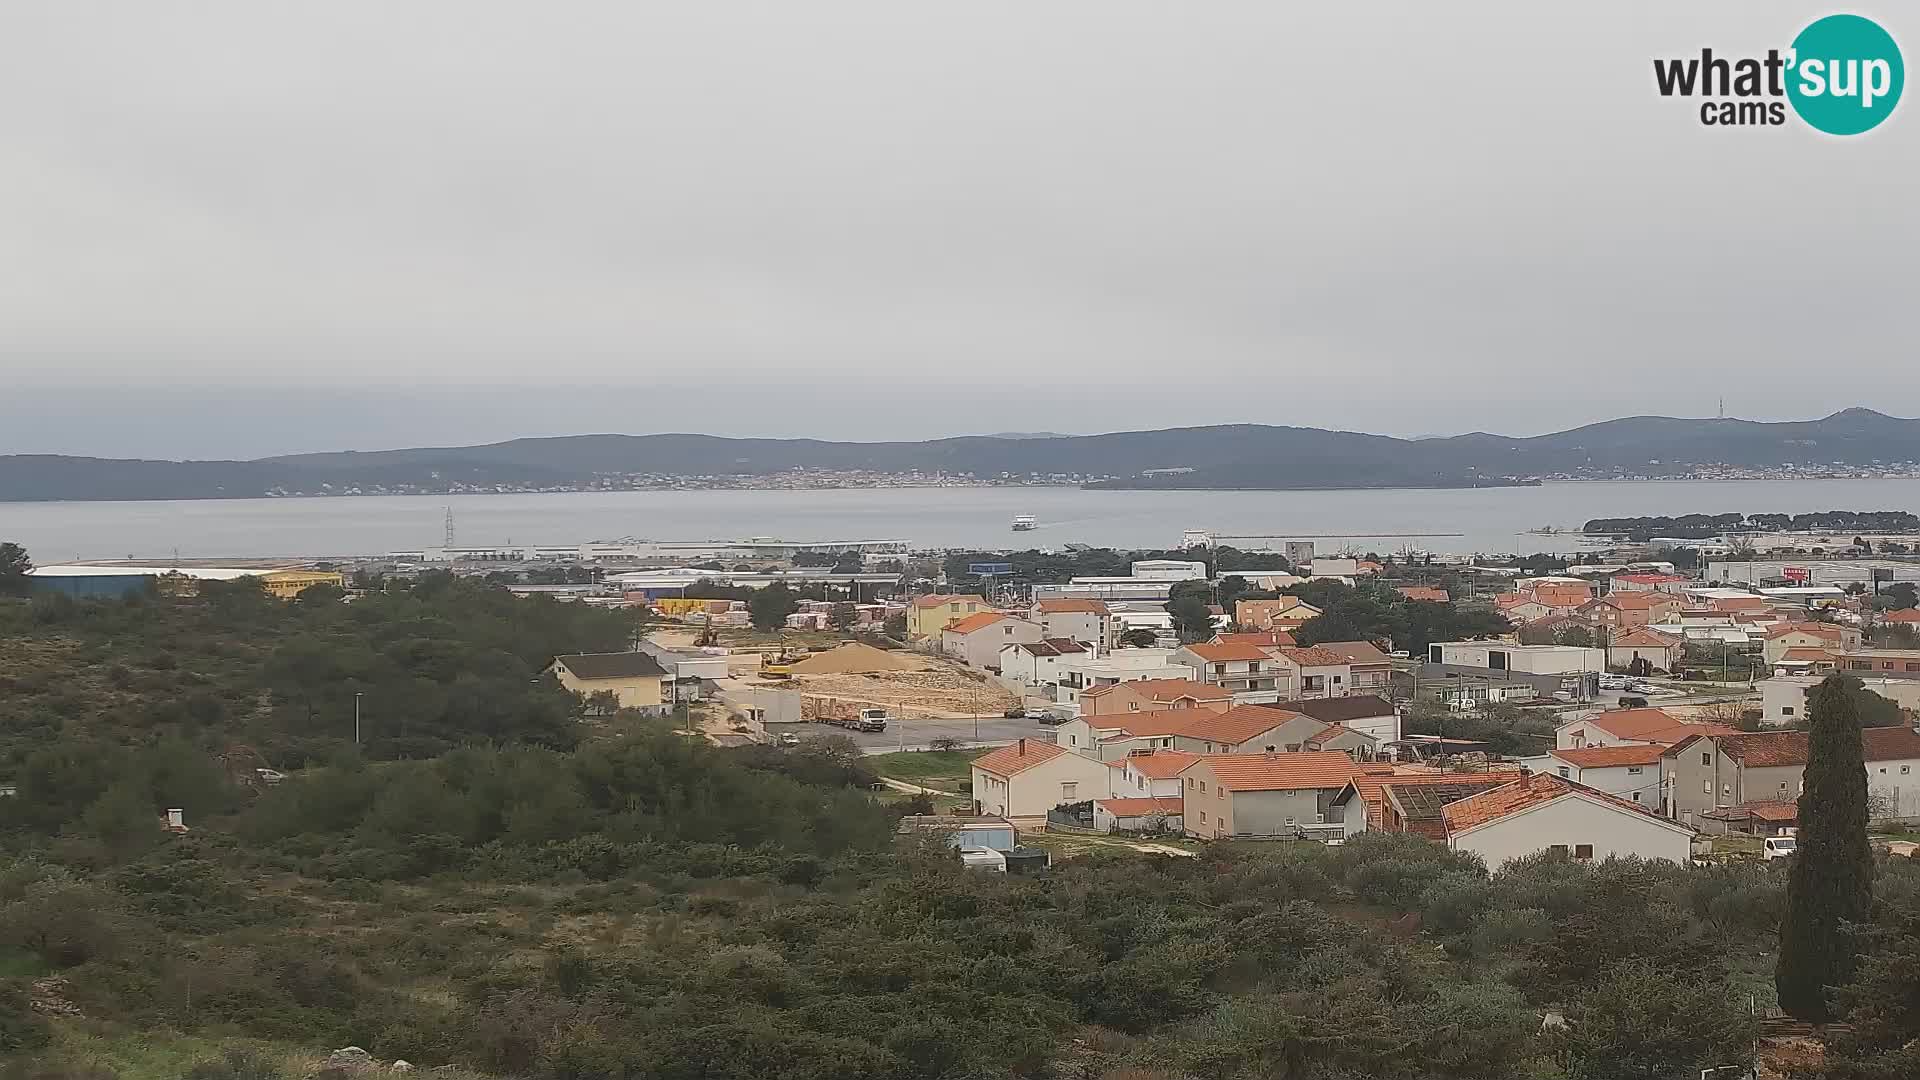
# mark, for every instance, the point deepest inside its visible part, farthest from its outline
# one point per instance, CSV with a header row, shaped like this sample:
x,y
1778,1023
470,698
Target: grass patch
x,y
922,766
158,1055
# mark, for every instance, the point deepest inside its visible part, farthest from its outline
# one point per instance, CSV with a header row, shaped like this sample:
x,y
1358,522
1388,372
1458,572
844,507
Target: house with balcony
x,y
1248,672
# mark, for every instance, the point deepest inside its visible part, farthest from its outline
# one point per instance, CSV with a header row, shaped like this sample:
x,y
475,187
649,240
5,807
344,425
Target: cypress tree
x,y
1831,879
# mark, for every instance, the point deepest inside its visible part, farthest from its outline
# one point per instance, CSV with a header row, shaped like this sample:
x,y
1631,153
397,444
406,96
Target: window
x,y
1706,759
1726,789
1203,787
1069,792
1566,772
1786,710
1583,851
1783,785
1558,849
1636,796
1706,787
1219,792
1203,817
1190,783
1633,770
1905,769
1336,678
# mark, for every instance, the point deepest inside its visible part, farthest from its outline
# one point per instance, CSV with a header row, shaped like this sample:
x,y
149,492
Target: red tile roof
x,y
970,623
1280,772
1372,784
1607,757
1820,630
1769,749
1327,734
1170,805
1535,790
1632,723
934,600
1162,690
1064,607
1217,654
1807,652
1641,601
1238,724
1425,592
1018,758
1903,615
1311,656
1356,652
1643,638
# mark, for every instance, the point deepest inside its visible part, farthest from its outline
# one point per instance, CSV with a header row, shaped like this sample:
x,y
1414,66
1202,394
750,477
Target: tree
x,y
1904,593
1138,638
1643,1021
1831,880
896,626
843,616
1187,603
769,607
14,565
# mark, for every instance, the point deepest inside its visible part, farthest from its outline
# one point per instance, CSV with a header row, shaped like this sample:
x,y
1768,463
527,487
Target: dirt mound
x,y
851,659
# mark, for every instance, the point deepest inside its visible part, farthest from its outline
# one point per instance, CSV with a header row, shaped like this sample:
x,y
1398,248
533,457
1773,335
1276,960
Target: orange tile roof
x,y
1424,592
1163,690
1165,804
1820,630
1640,601
1280,772
1807,652
1535,790
970,623
1238,724
1216,654
1651,579
1327,734
1140,725
1356,652
1062,607
1372,785
1903,615
1311,656
1159,765
1769,749
1632,723
1607,757
1018,758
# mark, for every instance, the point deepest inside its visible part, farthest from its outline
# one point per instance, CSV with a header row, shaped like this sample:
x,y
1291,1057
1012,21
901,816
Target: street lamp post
x,y
356,719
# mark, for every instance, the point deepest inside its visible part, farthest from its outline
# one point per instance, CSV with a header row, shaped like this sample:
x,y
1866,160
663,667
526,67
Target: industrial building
x,y
91,581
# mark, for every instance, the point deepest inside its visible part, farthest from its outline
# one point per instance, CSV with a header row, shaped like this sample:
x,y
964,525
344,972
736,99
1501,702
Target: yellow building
x,y
287,584
930,614
634,678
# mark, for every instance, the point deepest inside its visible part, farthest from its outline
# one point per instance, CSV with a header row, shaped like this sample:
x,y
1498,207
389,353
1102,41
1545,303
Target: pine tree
x,y
1831,880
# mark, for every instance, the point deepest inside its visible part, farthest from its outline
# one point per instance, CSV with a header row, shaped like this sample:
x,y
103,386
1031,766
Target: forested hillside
x,y
496,888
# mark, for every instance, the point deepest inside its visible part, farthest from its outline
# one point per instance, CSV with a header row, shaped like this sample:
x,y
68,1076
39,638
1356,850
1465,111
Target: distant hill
x,y
1222,457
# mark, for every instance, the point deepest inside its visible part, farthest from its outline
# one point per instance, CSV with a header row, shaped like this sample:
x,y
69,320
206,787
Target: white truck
x,y
1779,847
866,720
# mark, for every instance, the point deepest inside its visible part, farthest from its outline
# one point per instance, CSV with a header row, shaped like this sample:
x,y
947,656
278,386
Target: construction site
x,y
837,682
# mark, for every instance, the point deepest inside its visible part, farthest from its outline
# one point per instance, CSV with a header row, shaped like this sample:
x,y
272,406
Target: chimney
x,y
1023,747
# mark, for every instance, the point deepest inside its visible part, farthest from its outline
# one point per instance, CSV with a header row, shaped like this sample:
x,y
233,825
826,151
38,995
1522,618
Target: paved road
x,y
917,734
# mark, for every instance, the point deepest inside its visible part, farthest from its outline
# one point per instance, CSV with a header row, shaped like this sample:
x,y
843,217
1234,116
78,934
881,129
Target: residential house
x,y
1630,727
1902,617
1087,671
1425,594
1557,595
1832,637
1783,698
1649,582
1029,665
1710,772
1545,812
976,640
1617,611
1031,777
1152,774
1085,621
928,615
1281,613
1530,659
1252,729
1630,771
1368,714
1311,671
1262,794
1881,663
1264,639
1522,607
1151,695
1637,643
1369,671
635,679
1138,815
1245,671
1409,800
1806,662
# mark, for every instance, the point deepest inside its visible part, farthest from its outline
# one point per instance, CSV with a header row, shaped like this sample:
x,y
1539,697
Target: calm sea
x,y
1487,520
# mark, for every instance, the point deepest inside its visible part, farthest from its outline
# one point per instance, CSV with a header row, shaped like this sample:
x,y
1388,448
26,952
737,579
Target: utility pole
x,y
356,719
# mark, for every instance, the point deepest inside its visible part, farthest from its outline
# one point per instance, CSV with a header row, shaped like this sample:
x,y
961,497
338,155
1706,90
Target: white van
x,y
1778,847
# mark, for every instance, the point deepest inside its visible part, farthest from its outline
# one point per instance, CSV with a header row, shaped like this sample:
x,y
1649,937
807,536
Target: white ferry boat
x,y
1025,523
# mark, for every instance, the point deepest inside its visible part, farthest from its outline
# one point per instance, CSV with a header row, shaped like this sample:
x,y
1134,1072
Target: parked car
x,y
1631,702
1053,717
788,738
1015,713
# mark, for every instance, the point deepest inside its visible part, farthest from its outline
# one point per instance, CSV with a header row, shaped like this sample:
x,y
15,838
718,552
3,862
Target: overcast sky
x,y
234,229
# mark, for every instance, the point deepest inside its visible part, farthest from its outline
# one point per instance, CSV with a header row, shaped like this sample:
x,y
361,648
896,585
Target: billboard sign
x,y
1798,574
989,569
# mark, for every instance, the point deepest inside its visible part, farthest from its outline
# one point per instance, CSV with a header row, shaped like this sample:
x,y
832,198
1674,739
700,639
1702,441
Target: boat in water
x,y
1025,523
